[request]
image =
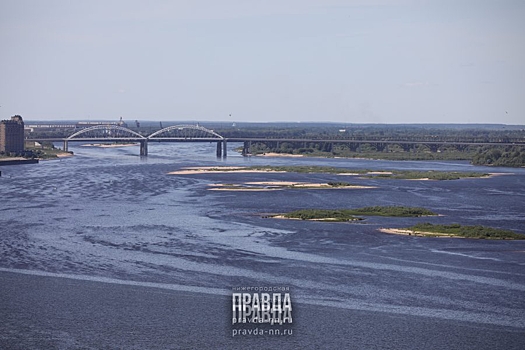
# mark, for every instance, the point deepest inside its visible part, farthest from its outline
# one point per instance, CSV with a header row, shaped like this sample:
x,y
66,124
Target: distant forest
x,y
513,156
328,134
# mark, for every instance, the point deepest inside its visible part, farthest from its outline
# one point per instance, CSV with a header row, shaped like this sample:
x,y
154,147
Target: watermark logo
x,y
261,306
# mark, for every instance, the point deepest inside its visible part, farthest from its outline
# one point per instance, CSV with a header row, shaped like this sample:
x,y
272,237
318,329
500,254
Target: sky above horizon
x,y
348,61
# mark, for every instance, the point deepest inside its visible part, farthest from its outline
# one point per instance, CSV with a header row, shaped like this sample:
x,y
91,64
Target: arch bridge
x,y
175,133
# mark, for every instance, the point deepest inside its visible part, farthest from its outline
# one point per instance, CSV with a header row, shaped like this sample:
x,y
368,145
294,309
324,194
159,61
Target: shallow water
x,y
109,214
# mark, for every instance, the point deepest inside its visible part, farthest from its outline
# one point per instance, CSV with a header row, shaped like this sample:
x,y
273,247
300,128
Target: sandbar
x,y
379,173
219,170
279,185
396,231
321,219
498,174
273,154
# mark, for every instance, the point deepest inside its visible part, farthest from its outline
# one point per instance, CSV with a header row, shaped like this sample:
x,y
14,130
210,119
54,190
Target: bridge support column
x,y
144,147
224,148
246,148
219,149
65,146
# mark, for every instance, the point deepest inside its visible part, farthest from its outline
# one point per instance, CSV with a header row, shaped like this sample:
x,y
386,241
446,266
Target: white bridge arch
x,y
185,132
106,132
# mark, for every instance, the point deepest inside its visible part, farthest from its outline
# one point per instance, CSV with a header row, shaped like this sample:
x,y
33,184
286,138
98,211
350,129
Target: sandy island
x,y
497,174
303,184
278,185
219,170
396,231
243,169
323,219
272,154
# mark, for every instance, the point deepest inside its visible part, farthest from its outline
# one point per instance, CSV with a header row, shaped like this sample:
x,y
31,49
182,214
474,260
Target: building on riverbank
x,y
12,135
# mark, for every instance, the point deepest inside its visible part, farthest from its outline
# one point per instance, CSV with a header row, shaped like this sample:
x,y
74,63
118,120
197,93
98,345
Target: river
x,y
110,216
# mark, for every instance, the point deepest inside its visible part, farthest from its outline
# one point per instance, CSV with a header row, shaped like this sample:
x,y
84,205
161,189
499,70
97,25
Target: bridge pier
x,y
144,147
246,148
65,146
219,149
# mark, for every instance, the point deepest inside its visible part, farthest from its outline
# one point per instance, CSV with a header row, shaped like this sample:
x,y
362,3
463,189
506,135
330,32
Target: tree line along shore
x,y
504,156
395,134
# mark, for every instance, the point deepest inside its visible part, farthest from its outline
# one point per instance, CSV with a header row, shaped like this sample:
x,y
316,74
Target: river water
x,y
108,214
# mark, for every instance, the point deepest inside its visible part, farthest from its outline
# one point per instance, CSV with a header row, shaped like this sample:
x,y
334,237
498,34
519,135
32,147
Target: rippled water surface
x,y
107,213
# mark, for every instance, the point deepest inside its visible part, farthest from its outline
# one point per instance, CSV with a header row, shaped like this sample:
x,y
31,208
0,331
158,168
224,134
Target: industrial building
x,y
12,135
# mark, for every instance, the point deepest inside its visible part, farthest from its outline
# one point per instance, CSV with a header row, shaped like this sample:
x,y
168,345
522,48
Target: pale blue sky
x,y
349,61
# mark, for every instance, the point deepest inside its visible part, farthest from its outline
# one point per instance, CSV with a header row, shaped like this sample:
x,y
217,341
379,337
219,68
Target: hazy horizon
x,y
166,122
340,61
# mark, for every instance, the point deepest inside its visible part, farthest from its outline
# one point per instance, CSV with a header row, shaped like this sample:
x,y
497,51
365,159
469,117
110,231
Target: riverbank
x,y
17,161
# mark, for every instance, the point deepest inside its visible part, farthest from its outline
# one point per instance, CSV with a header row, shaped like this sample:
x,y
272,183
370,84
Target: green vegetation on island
x,y
429,174
335,215
340,184
339,215
456,230
393,211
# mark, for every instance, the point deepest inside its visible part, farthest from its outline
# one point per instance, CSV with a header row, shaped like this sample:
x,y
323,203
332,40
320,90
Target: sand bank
x,y
379,173
278,185
272,154
498,174
323,219
219,170
396,231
